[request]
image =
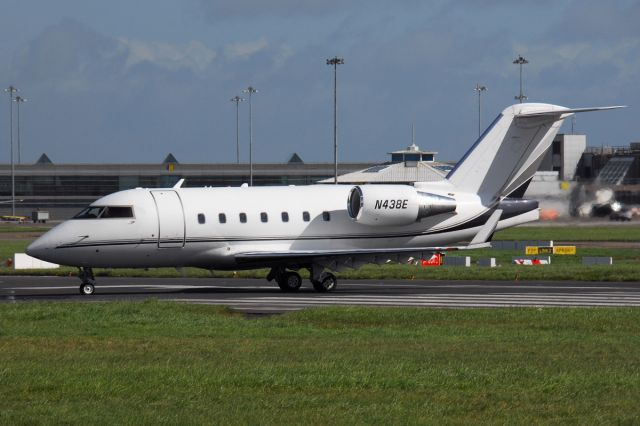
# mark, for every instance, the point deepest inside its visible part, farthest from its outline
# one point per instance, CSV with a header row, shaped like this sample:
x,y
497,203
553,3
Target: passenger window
x,y
263,217
201,219
326,216
243,218
306,217
222,218
285,217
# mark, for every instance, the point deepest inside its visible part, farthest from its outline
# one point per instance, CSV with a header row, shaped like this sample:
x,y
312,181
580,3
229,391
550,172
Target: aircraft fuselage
x,y
207,227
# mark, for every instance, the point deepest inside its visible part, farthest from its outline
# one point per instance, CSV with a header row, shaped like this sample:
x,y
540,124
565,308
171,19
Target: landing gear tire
x,y
290,281
87,289
328,282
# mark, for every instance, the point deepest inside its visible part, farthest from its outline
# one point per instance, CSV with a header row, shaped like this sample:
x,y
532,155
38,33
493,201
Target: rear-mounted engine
x,y
390,205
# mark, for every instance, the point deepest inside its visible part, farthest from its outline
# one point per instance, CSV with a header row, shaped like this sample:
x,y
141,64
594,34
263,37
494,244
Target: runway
x,y
259,296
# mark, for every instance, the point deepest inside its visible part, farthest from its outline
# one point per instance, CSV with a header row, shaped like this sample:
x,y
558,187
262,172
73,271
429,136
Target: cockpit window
x,y
105,212
119,212
90,212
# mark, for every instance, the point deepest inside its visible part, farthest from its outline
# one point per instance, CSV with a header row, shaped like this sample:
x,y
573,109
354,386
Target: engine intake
x,y
389,205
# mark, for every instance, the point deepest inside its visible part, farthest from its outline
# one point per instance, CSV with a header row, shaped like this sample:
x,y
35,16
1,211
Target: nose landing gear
x,y
87,288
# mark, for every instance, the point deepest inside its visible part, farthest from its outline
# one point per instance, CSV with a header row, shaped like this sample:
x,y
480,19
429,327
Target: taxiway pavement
x,y
259,296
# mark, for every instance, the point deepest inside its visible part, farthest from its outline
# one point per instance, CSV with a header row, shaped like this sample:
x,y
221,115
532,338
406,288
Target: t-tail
x,y
510,150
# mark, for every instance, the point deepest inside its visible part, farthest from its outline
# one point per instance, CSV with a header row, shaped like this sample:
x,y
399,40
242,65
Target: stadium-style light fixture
x,y
11,90
250,90
520,61
335,61
237,99
18,100
479,89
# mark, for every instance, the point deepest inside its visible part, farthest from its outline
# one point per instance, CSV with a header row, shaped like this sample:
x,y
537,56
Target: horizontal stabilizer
x,y
561,111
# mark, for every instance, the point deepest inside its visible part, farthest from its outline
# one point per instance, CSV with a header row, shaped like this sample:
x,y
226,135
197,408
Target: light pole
x,y
18,100
237,99
250,90
520,61
11,90
335,61
479,89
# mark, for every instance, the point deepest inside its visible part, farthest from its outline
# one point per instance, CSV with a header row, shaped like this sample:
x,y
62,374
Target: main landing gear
x,y
291,281
327,282
87,288
287,280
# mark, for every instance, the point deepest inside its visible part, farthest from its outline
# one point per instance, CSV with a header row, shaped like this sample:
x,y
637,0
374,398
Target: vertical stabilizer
x,y
509,152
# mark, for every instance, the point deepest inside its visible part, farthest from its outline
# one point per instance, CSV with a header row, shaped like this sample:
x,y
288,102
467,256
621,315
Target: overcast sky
x,y
124,81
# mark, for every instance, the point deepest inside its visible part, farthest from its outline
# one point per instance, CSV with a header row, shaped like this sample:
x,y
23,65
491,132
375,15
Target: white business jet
x,y
321,228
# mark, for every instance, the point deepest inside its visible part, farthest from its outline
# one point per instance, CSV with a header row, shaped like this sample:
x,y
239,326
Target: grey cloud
x,y
216,10
598,21
246,49
69,55
194,56
73,57
158,97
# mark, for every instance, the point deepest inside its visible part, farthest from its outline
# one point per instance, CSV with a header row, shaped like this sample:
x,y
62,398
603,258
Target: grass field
x,y
163,363
571,233
13,228
625,266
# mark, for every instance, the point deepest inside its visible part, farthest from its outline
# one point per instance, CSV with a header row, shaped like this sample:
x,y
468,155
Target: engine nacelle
x,y
391,205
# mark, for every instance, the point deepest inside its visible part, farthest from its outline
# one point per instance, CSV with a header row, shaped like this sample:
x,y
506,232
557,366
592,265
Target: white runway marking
x,y
268,298
144,286
421,300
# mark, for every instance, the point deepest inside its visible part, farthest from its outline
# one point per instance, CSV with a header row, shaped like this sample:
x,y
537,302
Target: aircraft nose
x,y
40,248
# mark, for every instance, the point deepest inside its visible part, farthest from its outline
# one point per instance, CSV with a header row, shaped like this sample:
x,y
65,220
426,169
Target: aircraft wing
x,y
354,258
348,258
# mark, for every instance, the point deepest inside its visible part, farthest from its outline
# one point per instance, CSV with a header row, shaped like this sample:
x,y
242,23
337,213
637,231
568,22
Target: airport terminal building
x,y
63,189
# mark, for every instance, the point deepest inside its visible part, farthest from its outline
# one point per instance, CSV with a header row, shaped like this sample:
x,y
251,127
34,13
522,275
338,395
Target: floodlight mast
x,y
18,100
237,99
479,89
250,90
11,90
335,61
520,61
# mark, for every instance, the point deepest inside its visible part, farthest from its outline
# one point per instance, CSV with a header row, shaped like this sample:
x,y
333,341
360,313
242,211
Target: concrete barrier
x,y
488,262
457,261
531,260
24,261
589,260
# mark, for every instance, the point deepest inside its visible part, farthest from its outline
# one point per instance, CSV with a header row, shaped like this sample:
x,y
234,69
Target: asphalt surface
x,y
260,297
